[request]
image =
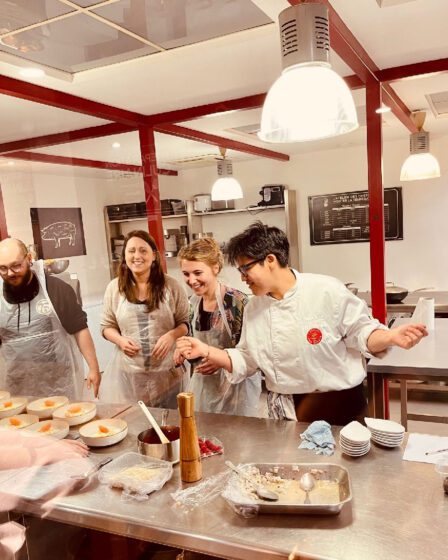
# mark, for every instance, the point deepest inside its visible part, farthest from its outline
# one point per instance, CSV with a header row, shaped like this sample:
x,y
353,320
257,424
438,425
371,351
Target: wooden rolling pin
x,y
190,456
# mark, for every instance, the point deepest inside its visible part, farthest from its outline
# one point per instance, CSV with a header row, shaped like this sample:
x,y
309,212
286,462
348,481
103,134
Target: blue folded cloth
x,y
319,438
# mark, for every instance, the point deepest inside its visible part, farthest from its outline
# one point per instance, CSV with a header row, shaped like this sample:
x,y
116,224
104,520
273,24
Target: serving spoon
x,y
153,423
85,476
260,491
306,483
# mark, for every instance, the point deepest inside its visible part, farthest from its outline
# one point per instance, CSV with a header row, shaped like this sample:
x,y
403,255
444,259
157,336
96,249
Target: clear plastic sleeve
x,y
137,475
202,493
210,445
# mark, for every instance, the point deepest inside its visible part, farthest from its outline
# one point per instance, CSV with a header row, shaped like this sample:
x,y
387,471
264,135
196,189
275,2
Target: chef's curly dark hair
x,y
258,241
156,280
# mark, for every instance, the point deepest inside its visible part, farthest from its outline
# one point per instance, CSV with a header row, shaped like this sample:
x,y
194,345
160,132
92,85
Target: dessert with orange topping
x,y
46,428
15,422
74,410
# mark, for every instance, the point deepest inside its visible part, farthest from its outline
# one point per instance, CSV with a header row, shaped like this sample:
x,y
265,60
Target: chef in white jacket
x,y
307,332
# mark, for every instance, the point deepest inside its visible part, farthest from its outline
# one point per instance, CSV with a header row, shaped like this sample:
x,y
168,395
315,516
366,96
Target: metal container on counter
x,y
148,444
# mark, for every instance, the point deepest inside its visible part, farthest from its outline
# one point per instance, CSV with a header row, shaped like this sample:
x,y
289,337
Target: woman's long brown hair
x,y
156,280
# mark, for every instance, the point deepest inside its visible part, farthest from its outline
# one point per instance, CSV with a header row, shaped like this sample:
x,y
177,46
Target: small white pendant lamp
x,y
226,187
421,164
309,101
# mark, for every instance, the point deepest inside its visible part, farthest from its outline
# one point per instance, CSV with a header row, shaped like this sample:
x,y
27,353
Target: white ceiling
x,y
232,66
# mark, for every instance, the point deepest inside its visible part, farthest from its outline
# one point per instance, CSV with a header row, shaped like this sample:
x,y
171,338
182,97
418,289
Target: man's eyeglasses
x,y
16,267
244,268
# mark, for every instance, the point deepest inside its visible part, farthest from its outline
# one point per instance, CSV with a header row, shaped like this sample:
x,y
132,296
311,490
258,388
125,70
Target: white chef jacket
x,y
313,339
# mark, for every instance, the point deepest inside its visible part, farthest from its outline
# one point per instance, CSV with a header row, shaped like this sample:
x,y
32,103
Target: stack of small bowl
x,y
354,439
385,432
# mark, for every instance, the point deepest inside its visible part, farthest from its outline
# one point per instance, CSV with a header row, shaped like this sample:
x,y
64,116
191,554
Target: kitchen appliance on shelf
x,y
202,234
171,206
272,195
117,246
202,203
223,205
170,236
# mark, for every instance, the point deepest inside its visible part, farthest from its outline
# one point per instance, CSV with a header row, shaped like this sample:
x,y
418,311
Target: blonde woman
x,y
144,312
216,318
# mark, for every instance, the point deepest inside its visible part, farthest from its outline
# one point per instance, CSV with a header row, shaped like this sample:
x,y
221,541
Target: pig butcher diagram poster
x,y
58,232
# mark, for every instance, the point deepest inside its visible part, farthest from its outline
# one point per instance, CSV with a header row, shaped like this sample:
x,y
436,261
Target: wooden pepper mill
x,y
190,456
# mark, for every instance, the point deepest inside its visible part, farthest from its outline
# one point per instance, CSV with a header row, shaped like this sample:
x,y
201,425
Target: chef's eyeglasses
x,y
16,267
244,268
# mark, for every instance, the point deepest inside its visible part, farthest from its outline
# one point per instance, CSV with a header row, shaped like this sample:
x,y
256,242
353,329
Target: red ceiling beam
x,y
67,101
412,70
116,128
65,137
80,162
205,137
399,109
240,104
189,113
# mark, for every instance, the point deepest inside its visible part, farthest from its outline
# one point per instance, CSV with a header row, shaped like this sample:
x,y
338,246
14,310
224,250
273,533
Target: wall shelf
x,y
196,222
144,218
250,210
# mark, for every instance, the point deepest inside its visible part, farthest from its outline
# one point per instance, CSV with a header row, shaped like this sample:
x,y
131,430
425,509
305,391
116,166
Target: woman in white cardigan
x,y
144,313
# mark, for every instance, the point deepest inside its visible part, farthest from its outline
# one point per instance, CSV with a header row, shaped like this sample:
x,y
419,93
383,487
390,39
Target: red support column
x,y
3,228
376,209
151,183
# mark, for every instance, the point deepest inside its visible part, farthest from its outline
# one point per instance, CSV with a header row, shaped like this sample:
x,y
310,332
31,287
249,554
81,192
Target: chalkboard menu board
x,y
344,217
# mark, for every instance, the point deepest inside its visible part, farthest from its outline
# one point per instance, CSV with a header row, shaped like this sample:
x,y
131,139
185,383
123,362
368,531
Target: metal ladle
x,y
261,491
306,483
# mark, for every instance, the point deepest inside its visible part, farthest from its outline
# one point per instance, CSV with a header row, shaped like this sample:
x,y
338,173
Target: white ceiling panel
x,y
24,119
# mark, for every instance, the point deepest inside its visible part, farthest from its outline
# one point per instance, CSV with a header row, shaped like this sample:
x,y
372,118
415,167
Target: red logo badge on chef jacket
x,y
314,336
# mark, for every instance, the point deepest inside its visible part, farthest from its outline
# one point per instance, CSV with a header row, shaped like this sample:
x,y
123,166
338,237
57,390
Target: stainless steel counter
x,y
410,301
398,510
428,361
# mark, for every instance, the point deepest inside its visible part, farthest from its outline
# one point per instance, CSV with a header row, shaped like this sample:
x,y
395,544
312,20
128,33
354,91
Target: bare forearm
x,y
180,330
87,348
218,357
112,335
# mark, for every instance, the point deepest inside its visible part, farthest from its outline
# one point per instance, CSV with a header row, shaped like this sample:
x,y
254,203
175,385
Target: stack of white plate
x,y
354,439
385,432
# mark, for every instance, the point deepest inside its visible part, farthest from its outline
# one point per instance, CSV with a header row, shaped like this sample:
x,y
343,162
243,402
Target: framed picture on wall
x,y
58,232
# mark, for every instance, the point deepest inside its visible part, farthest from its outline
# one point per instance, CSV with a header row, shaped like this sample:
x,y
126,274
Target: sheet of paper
x,y
424,312
420,444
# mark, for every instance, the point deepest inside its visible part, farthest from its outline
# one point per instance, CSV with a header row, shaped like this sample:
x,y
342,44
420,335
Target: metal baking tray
x,y
247,506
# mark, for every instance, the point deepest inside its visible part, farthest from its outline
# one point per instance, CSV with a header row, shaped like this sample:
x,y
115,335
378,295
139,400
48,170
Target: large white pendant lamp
x,y
226,187
309,101
421,164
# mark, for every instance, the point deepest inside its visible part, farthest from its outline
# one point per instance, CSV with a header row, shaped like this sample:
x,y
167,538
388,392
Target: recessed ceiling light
x,y
116,145
11,163
383,109
32,72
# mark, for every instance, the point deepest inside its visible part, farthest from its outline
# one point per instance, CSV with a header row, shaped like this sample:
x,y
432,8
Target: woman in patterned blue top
x,y
216,318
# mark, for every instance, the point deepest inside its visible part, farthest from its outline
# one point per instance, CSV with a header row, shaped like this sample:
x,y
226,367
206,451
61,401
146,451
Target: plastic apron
x,y
39,357
215,393
141,377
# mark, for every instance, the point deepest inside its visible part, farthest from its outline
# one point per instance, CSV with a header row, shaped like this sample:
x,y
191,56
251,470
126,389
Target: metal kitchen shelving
x,y
194,222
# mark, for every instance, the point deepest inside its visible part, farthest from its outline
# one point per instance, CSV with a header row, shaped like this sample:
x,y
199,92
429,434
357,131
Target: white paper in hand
x,y
424,312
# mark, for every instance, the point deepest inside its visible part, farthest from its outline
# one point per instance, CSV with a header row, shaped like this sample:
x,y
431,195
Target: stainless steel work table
x,y
428,361
398,510
411,300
